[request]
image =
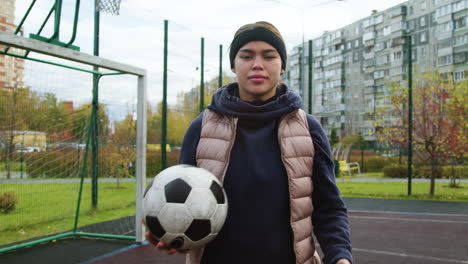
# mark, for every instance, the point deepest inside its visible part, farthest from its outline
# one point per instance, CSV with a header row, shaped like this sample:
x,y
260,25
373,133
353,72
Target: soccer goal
x,y
72,162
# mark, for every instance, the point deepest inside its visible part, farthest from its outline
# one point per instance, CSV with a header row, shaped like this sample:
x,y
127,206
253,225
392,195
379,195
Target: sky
x,y
136,35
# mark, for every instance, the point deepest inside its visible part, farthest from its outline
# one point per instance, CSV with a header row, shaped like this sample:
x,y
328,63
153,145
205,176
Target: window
x,y
461,40
445,27
348,45
423,36
461,22
460,5
444,10
410,25
444,60
397,55
356,56
423,51
356,43
387,30
459,75
422,21
423,5
460,57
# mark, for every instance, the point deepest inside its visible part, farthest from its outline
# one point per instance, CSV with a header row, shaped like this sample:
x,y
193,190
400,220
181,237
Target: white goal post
x,y
40,47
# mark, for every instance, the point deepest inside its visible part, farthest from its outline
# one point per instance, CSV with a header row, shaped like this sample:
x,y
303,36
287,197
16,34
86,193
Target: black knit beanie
x,y
259,34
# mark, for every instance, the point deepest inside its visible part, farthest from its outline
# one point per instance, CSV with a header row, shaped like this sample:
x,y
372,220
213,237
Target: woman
x,y
274,160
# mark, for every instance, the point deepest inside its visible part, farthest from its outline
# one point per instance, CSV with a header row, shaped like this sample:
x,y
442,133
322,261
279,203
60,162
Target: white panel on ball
x,y
154,201
197,179
175,218
166,176
198,209
218,218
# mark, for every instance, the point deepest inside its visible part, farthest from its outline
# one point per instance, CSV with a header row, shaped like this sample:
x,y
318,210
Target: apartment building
x,y
353,65
11,68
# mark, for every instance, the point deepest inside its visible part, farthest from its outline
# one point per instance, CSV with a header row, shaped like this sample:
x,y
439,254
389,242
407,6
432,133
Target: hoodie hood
x,y
227,102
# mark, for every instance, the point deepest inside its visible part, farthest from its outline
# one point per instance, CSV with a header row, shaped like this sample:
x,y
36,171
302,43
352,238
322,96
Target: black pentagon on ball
x,y
177,191
217,192
198,229
154,226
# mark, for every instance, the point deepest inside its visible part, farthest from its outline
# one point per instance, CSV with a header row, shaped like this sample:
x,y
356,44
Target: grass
x,y
47,208
399,190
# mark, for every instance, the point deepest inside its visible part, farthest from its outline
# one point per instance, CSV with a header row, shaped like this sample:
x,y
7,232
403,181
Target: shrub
x,y
153,161
425,172
395,171
458,171
377,163
445,172
8,202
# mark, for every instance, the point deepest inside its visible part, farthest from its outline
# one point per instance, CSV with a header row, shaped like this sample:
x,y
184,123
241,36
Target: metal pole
x,y
310,77
22,155
140,157
94,140
58,13
410,113
220,78
202,72
164,103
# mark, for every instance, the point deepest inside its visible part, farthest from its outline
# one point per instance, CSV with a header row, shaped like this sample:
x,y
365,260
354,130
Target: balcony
x,y
369,83
338,40
398,41
445,51
368,56
444,18
398,11
369,43
369,90
444,35
369,69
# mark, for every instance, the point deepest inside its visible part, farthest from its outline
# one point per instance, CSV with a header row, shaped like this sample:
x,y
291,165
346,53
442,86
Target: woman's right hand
x,y
161,246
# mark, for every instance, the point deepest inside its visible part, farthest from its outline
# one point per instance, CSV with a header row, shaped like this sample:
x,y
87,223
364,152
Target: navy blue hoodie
x,y
257,228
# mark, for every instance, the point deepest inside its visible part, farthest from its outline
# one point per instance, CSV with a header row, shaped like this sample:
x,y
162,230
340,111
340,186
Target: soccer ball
x,y
184,206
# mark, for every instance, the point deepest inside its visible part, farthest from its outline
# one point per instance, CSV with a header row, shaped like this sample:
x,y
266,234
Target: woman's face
x,y
258,67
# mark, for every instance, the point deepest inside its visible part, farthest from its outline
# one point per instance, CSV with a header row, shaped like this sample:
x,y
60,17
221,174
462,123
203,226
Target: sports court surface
x,y
382,231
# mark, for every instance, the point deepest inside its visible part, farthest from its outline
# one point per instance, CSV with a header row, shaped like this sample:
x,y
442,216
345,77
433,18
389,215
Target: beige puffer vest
x,y
217,137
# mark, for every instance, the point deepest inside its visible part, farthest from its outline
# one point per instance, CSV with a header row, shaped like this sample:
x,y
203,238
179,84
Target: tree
x,y
121,151
334,137
80,121
16,111
439,118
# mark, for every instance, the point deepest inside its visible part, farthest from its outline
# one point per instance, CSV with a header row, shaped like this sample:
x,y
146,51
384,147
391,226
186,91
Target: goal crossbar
x,y
37,46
